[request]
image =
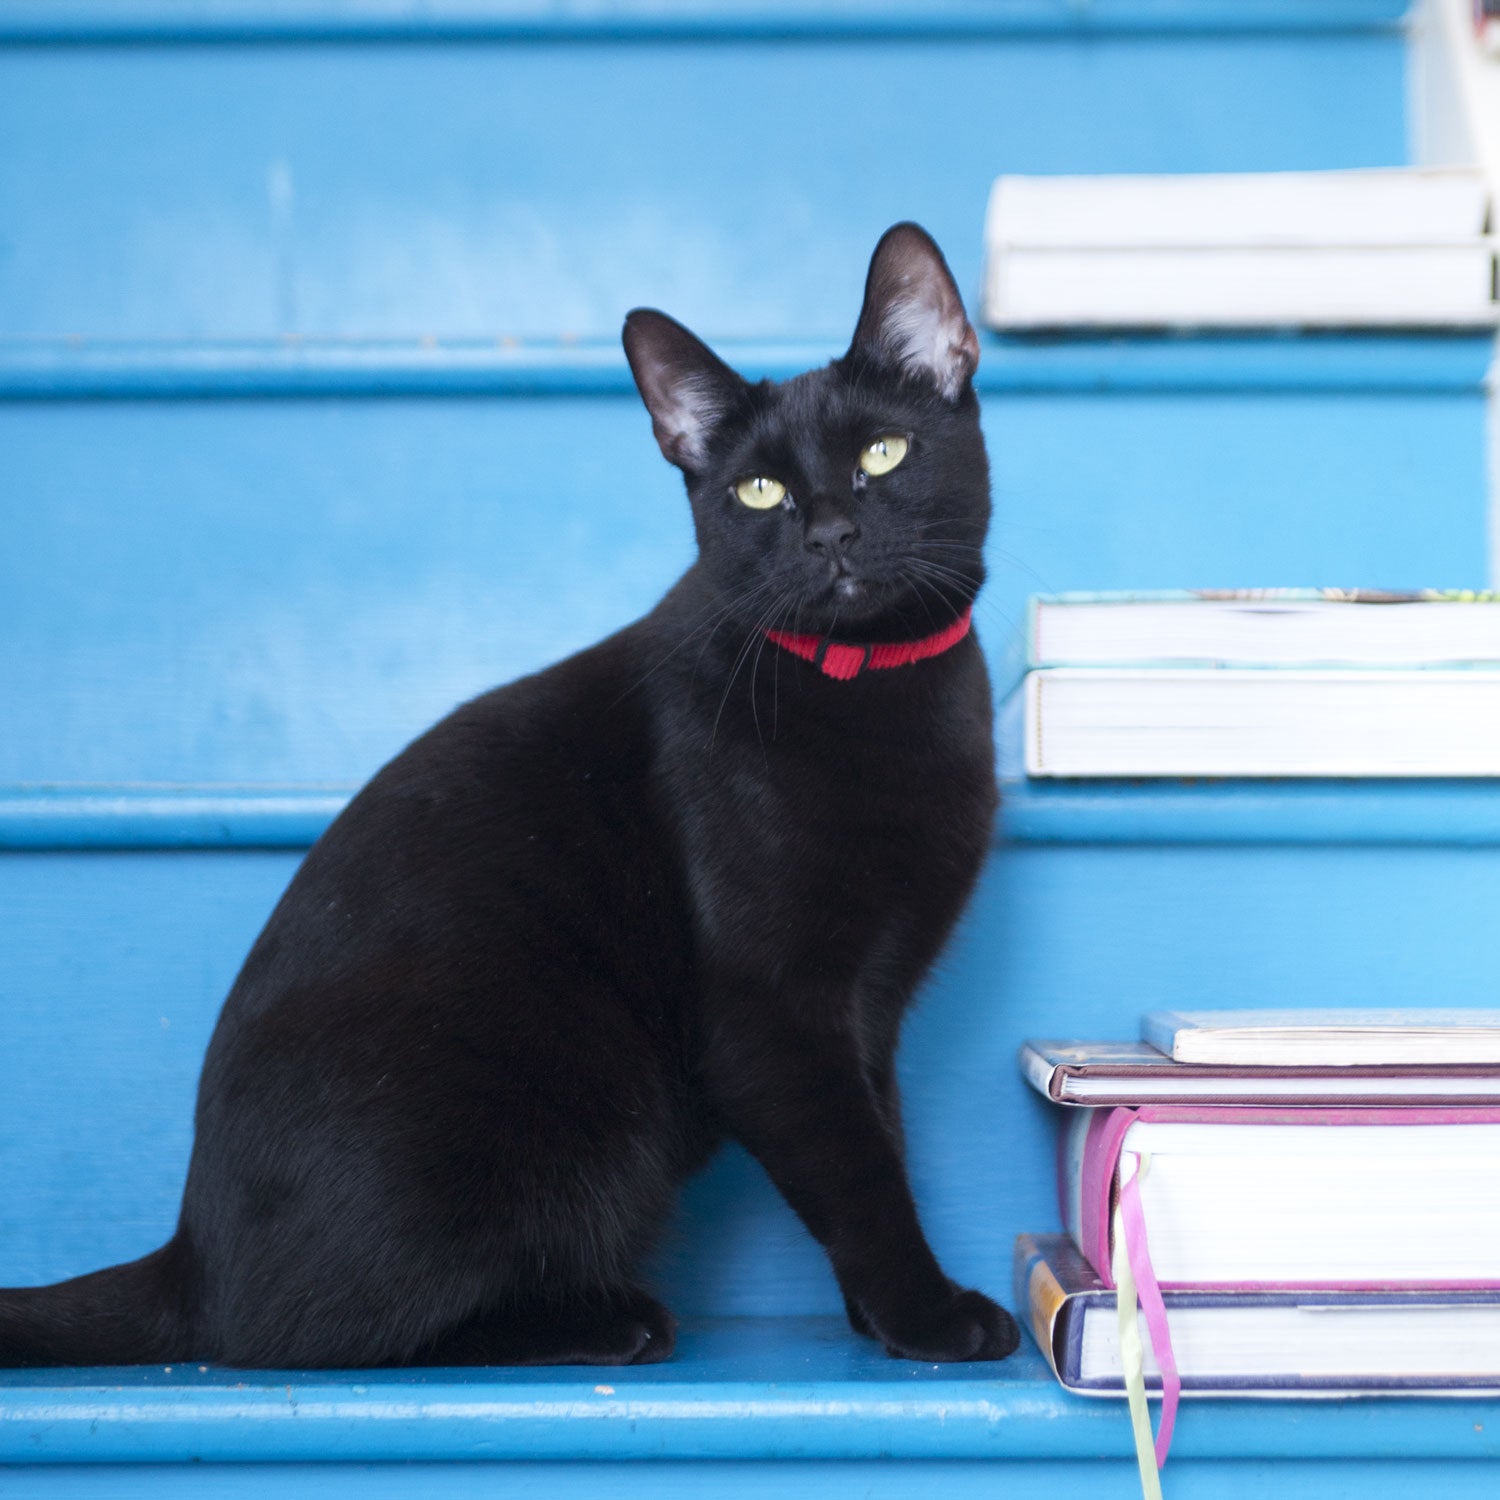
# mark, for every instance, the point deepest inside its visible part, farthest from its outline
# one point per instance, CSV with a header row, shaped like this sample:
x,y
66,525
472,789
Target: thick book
x,y
1234,722
1335,1039
1264,628
1393,247
1280,1342
1252,1197
1099,1074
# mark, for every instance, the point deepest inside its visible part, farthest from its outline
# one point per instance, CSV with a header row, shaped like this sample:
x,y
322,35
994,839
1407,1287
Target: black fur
x,y
679,887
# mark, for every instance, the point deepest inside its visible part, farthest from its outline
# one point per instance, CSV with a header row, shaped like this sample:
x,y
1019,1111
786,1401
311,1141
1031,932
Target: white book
x,y
1267,627
1244,1197
1148,721
1395,247
1327,1038
1307,1343
1311,287
1380,206
1281,1342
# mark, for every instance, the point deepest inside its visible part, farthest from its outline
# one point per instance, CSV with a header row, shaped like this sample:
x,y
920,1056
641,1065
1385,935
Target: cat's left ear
x,y
687,388
913,318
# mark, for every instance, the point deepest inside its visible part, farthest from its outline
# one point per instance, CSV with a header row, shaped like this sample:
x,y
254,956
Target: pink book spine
x,y
1087,1180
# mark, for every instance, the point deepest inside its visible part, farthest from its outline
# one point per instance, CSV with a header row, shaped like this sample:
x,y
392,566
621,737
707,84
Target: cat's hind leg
x,y
623,1327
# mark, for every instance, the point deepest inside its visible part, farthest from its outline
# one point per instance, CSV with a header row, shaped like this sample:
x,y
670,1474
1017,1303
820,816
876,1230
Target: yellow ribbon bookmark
x,y
1133,1356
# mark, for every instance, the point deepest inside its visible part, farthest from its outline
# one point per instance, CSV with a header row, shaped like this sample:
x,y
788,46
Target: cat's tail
x,y
134,1314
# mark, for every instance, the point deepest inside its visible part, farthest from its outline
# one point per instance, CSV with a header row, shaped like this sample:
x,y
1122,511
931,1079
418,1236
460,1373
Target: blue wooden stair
x,y
758,1407
313,422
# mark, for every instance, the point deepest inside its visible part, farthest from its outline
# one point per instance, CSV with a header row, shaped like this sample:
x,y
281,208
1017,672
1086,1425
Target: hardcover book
x,y
1252,1197
1275,1343
1099,1074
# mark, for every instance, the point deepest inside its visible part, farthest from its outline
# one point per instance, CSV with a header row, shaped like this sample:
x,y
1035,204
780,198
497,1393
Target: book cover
x,y
1279,1343
1095,1075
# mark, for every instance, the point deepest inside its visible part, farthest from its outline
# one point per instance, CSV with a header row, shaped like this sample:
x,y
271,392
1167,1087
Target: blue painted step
x,y
232,581
277,565
114,965
237,557
200,170
759,1407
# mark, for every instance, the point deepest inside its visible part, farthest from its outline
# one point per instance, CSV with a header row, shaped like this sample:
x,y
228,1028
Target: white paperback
x,y
1083,721
1264,628
1389,247
1268,683
1347,1037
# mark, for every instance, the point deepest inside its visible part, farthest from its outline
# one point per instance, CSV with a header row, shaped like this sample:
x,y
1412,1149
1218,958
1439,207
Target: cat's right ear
x,y
687,388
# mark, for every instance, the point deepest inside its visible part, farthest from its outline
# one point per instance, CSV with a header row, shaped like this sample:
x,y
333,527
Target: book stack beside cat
x,y
1300,1200
1264,682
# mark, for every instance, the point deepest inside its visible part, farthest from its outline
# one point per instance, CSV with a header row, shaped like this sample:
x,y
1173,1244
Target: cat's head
x,y
852,499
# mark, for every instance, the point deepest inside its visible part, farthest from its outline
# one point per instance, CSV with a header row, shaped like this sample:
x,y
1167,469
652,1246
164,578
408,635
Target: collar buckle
x,y
841,659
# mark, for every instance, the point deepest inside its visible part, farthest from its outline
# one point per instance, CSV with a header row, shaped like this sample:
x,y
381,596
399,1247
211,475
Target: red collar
x,y
847,659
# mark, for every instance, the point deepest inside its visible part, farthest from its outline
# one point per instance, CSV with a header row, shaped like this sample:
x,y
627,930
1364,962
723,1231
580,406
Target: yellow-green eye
x,y
883,454
760,493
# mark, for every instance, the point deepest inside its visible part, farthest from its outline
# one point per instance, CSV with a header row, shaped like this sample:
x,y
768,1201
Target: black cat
x,y
678,888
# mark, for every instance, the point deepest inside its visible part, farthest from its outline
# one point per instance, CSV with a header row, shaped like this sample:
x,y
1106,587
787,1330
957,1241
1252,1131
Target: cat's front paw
x,y
967,1326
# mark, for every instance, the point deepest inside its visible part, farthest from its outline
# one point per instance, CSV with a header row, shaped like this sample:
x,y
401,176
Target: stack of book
x,y
1304,1201
1397,246
1273,682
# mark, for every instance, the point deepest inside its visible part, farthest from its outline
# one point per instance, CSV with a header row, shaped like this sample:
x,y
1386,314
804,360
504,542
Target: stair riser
x,y
543,187
268,590
114,965
1226,1479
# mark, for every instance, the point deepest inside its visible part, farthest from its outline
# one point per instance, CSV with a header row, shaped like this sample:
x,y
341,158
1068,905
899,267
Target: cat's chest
x,y
855,826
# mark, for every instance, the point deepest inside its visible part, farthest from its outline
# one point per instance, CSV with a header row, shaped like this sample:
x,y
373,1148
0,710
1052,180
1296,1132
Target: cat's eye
x,y
881,456
760,493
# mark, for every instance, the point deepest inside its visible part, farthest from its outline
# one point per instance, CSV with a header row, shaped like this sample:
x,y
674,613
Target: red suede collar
x,y
847,659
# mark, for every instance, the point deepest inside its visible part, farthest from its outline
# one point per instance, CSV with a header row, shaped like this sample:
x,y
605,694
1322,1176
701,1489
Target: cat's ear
x,y
913,318
687,388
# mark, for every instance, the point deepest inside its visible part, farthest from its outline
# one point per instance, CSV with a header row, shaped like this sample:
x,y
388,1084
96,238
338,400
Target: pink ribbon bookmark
x,y
1152,1306
1134,1277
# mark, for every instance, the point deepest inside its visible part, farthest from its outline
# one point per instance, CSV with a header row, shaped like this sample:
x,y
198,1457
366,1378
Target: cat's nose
x,y
830,536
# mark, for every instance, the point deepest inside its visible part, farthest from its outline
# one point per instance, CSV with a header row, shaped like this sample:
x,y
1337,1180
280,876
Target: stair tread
x,y
1458,812
252,20
769,1388
67,368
